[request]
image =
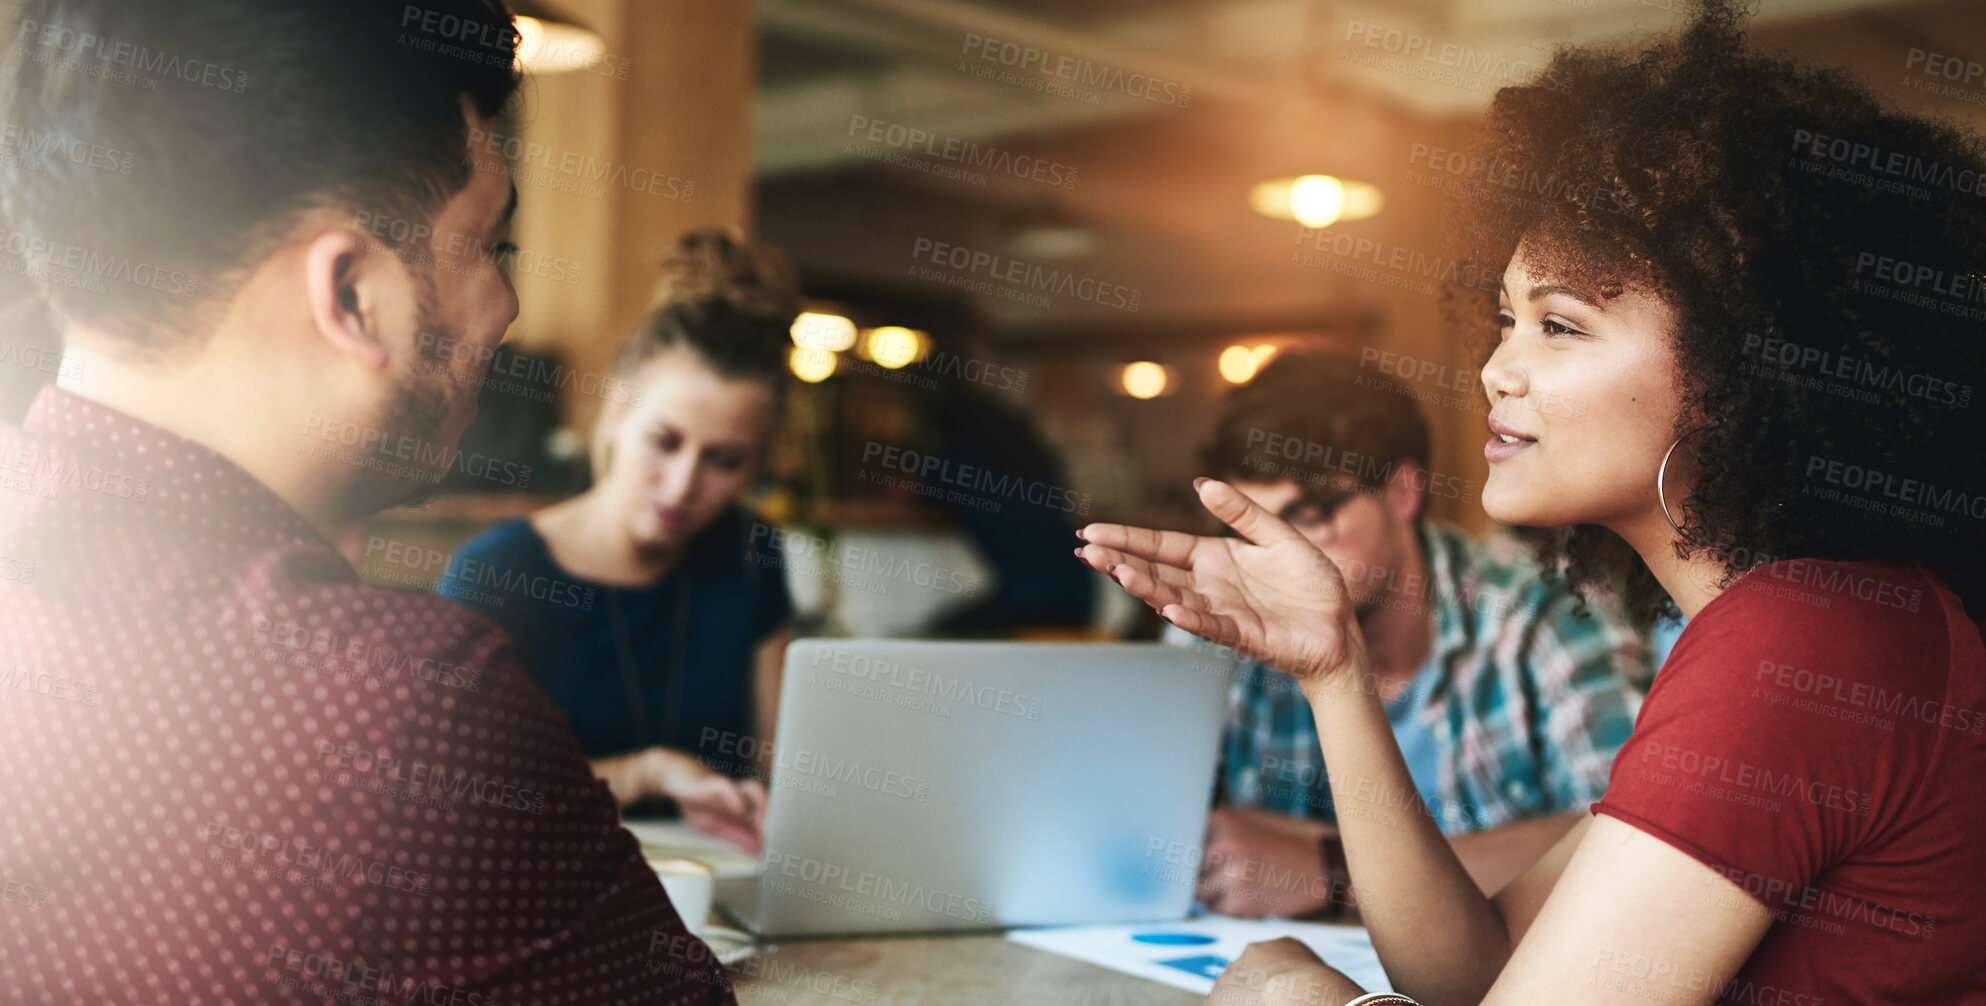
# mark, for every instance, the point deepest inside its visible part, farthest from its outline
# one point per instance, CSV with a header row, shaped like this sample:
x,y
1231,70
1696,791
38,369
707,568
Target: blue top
x,y
1408,713
1664,637
669,664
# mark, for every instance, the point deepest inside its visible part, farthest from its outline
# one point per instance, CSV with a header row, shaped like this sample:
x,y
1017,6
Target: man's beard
x,y
414,460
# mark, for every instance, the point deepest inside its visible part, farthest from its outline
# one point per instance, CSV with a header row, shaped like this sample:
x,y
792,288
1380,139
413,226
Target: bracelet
x,y
1382,999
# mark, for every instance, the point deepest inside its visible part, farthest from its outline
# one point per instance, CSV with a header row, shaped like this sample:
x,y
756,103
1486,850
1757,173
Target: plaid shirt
x,y
1529,703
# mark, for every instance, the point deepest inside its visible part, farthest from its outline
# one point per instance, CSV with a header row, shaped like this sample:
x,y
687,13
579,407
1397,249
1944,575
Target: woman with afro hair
x,y
1768,290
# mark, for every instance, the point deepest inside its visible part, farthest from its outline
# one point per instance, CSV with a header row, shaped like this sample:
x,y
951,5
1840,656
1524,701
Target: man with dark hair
x,y
1508,702
234,773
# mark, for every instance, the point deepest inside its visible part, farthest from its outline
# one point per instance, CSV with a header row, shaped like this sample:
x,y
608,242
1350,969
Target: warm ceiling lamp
x,y
893,346
811,365
1143,379
821,330
1238,363
1315,200
549,41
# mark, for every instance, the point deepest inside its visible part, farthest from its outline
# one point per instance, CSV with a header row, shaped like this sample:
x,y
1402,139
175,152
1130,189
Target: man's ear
x,y
1404,494
334,265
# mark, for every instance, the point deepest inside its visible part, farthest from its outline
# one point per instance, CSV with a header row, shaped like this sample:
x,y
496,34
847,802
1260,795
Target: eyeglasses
x,y
1315,510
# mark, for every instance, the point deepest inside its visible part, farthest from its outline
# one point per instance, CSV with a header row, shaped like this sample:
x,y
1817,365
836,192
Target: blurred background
x,y
1043,234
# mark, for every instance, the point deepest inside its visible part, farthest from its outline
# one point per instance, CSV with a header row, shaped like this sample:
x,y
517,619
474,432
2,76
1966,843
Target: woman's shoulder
x,y
737,532
511,542
1849,619
1837,597
509,534
742,551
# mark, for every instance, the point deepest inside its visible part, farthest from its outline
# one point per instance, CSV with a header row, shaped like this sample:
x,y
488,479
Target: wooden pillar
x,y
621,159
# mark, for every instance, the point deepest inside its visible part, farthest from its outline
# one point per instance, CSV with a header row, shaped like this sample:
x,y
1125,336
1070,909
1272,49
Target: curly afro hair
x,y
1824,256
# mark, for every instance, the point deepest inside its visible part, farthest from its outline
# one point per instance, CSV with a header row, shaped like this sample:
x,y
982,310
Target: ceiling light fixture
x,y
549,41
1316,200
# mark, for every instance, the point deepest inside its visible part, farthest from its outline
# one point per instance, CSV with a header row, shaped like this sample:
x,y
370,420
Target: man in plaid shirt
x,y
1508,696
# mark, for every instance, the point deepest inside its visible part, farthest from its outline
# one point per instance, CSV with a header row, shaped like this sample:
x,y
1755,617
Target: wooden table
x,y
974,970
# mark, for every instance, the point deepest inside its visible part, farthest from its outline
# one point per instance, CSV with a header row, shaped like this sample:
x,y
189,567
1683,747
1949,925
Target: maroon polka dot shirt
x,y
232,773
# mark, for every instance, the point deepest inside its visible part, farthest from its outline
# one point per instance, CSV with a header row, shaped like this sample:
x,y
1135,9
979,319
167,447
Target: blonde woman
x,y
658,629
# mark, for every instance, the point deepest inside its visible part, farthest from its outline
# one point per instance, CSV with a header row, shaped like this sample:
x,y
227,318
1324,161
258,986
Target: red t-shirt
x,y
1818,737
232,773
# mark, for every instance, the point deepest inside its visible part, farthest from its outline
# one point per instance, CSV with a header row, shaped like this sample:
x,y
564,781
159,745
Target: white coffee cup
x,y
689,883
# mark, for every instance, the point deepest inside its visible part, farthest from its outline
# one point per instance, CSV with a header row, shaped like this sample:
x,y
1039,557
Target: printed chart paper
x,y
1191,954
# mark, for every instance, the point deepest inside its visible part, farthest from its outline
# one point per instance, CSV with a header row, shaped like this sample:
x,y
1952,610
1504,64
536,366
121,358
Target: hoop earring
x,y
1661,497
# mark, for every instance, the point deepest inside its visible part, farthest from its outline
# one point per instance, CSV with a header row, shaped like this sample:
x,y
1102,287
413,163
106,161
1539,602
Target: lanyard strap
x,y
676,670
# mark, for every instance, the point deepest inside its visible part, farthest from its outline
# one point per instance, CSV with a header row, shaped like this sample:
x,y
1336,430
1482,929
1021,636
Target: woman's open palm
x,y
1270,593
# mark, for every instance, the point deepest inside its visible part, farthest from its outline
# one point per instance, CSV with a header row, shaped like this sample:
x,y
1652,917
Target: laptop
x,y
940,786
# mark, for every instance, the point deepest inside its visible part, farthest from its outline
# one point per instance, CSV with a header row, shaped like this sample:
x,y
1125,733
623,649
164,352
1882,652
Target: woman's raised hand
x,y
1270,594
